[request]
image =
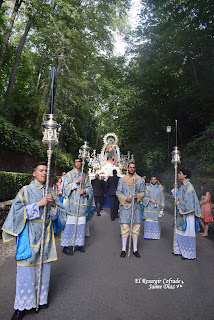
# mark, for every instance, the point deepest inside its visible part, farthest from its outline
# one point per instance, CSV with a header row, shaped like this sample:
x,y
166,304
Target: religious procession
x,y
39,213
106,160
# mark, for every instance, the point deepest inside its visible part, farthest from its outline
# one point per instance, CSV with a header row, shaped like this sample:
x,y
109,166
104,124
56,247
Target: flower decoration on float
x,y
97,165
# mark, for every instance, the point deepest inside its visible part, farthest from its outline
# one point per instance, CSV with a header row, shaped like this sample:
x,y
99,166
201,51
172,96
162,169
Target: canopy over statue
x,y
109,158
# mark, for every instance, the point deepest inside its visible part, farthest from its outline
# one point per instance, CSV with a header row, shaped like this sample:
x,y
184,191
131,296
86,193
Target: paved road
x,y
98,284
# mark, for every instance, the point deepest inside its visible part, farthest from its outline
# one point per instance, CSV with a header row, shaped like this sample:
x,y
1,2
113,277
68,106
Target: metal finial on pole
x,y
175,160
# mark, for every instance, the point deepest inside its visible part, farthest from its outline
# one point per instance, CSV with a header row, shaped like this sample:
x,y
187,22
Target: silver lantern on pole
x,y
51,131
175,160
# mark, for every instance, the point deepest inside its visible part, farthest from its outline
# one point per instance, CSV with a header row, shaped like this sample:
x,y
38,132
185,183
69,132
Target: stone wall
x,y
17,162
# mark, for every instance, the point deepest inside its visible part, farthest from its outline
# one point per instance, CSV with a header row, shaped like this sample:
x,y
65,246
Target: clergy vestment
x,y
151,213
187,221
24,222
69,191
125,189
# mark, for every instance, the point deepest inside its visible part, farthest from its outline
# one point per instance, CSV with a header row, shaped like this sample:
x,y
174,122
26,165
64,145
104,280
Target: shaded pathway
x,y
98,284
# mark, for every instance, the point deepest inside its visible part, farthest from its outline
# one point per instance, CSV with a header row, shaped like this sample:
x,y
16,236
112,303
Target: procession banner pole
x,y
50,138
175,160
84,154
132,215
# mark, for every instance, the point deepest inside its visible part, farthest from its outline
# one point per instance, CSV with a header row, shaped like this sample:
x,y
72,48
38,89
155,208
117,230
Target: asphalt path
x,y
99,284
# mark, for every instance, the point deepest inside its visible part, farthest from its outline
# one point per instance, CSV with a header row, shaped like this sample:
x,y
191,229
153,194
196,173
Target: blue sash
x,y
23,250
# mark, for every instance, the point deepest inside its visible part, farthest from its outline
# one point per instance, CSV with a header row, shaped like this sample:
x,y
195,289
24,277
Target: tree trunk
x,y
60,60
17,58
195,76
8,32
192,69
40,71
1,1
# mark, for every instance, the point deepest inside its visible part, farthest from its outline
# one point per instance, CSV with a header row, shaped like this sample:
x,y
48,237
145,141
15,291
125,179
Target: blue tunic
x,y
28,232
69,191
151,212
188,204
125,190
187,221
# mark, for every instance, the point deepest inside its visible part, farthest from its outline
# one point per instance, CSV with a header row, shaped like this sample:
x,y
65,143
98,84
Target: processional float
x,y
51,131
175,160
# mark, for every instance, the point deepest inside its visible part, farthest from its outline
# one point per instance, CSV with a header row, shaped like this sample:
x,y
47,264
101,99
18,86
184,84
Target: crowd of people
x,y
69,208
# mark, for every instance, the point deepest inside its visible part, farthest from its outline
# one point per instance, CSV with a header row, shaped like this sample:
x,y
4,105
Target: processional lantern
x,y
51,131
51,128
84,152
176,159
176,153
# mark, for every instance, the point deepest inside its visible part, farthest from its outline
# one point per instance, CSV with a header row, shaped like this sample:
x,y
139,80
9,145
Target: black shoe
x,y
18,315
123,254
98,214
136,253
67,251
43,306
70,248
81,249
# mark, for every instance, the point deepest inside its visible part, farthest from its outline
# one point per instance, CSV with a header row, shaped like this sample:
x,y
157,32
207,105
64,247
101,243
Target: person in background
x,y
63,174
104,195
112,183
75,189
58,184
205,204
98,191
153,202
147,182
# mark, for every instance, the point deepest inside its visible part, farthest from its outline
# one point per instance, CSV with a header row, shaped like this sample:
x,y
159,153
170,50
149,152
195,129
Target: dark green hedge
x,y
11,183
199,151
19,141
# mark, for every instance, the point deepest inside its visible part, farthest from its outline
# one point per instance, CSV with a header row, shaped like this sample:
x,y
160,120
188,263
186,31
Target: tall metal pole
x,y
168,130
50,138
175,160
